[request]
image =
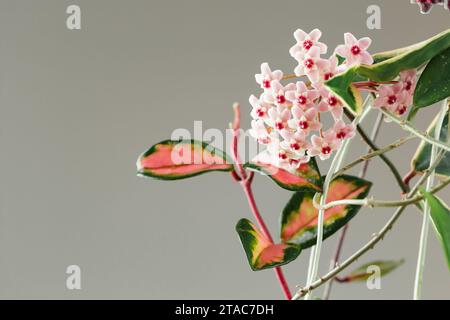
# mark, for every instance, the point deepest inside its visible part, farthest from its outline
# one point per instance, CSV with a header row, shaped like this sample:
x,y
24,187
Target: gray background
x,y
77,108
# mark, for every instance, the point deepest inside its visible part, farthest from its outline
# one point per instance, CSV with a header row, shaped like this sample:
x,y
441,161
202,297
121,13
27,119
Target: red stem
x,y
372,83
409,176
251,200
246,183
252,203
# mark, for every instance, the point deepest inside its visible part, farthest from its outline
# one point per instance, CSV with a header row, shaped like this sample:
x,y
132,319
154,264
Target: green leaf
x,y
341,86
180,159
440,214
306,177
299,217
386,67
340,59
394,62
421,159
261,253
434,83
364,272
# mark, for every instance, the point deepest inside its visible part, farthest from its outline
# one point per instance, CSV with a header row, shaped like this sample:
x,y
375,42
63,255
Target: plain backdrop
x,y
78,107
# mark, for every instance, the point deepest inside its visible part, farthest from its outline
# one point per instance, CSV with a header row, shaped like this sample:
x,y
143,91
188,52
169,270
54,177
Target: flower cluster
x,y
397,97
427,5
289,118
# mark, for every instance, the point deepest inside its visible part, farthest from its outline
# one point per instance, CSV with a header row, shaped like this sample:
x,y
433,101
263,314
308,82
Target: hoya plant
x,y
312,116
427,5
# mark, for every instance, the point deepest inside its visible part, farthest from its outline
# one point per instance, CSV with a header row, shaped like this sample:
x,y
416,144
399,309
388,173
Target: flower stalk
x,y
405,125
371,243
372,203
418,281
374,154
335,164
246,183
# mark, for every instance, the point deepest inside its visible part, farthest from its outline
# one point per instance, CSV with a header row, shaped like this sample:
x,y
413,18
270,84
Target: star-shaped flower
x,y
355,51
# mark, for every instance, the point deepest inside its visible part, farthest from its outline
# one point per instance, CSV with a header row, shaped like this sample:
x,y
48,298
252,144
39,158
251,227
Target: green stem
x,y
418,281
422,135
340,243
372,203
374,154
335,164
369,245
385,159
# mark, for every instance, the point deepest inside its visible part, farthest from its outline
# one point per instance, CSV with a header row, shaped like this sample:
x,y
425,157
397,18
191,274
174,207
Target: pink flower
x,y
266,76
332,69
294,141
427,5
405,103
324,146
260,108
409,78
310,64
289,154
355,51
279,156
330,103
302,97
278,118
304,121
344,131
306,41
390,97
259,131
277,93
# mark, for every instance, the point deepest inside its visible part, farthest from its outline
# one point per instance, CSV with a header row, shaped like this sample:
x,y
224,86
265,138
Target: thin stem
x,y
409,176
422,135
236,126
385,159
372,83
291,76
335,164
374,154
334,261
340,244
372,203
251,200
418,281
246,183
369,245
373,137
318,247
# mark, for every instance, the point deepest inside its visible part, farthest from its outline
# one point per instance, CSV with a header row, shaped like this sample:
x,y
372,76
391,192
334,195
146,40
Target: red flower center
x,y
307,44
302,100
401,110
355,50
408,85
392,99
282,155
309,63
260,112
295,146
340,135
279,125
328,76
332,101
266,84
281,99
303,125
326,150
